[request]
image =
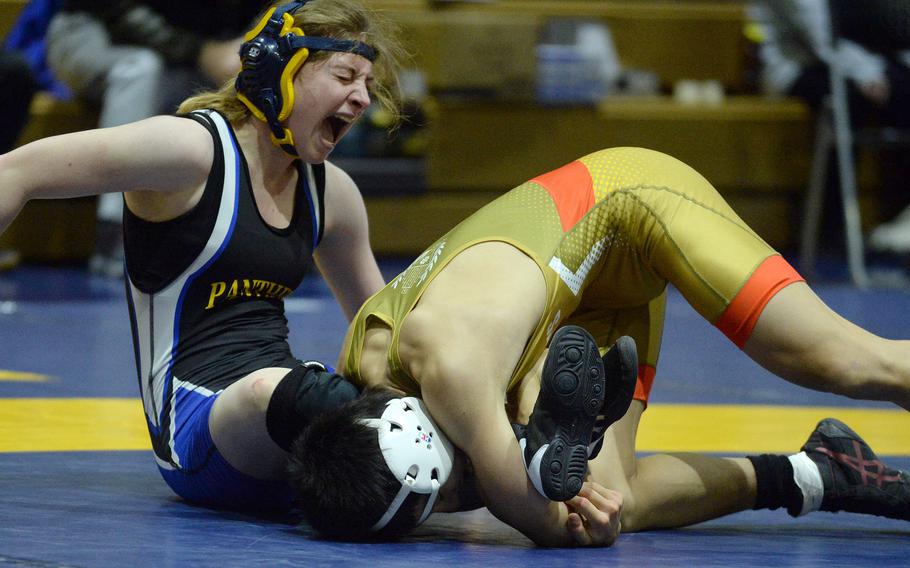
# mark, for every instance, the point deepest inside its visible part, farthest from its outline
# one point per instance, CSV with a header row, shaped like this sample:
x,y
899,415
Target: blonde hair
x,y
339,19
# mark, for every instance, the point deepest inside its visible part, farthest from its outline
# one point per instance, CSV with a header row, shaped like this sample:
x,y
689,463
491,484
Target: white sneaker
x,y
893,236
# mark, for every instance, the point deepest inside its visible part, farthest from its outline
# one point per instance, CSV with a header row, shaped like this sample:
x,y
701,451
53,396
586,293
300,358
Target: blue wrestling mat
x,y
79,487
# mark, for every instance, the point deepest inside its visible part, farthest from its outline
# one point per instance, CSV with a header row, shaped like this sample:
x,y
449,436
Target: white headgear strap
x,y
416,451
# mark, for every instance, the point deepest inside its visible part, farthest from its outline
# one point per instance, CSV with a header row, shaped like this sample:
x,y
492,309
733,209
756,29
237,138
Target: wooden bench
x,y
676,40
755,150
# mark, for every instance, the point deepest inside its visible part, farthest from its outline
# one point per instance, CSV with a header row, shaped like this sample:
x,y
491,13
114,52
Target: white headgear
x,y
416,451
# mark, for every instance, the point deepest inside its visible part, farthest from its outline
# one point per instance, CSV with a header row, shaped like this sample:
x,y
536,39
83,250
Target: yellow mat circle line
x,y
7,375
82,424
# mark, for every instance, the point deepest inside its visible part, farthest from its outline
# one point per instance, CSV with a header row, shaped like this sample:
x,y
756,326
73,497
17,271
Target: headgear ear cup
x,y
417,452
263,62
272,53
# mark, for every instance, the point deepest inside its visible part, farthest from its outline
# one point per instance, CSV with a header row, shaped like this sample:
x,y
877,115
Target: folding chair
x,y
833,130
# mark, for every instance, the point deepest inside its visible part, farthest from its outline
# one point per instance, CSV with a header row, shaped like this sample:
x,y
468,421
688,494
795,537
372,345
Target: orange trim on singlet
x,y
644,383
771,276
572,191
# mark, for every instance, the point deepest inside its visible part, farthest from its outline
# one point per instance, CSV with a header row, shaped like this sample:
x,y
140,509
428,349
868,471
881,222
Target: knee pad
x,y
300,396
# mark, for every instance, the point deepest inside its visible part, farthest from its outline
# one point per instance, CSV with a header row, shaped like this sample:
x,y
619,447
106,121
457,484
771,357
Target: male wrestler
x,y
594,244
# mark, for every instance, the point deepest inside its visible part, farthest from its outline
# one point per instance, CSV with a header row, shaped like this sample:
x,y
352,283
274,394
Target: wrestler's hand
x,y
594,515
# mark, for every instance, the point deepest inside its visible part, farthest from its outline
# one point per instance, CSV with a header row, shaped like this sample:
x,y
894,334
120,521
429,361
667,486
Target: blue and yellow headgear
x,y
272,53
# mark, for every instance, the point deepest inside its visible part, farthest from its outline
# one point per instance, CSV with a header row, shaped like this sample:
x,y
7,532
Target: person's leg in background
x,y
19,87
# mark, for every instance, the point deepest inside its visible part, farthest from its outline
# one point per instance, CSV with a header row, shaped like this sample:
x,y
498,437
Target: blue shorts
x,y
204,476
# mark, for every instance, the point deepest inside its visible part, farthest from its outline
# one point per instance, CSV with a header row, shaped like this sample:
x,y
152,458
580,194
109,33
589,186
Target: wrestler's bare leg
x,y
802,340
238,427
669,490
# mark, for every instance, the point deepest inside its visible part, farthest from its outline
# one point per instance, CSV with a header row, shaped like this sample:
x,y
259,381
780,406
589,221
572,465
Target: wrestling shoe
x,y
555,442
854,479
620,376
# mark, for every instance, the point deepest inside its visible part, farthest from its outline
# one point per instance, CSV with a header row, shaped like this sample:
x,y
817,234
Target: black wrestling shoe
x,y
620,376
555,446
855,479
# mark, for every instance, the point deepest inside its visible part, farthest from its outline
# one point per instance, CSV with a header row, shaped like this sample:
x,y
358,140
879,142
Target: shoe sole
x,y
573,387
620,376
623,385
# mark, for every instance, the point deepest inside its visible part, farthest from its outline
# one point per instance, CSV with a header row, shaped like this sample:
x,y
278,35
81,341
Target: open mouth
x,y
338,125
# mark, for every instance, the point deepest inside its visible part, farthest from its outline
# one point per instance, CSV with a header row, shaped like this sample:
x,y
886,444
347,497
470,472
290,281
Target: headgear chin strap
x,y
416,451
270,56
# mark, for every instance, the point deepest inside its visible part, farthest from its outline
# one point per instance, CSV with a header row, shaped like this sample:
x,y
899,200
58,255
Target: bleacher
x,y
491,136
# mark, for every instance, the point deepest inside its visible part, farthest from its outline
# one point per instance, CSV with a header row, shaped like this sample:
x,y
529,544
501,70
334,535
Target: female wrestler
x,y
227,206
592,244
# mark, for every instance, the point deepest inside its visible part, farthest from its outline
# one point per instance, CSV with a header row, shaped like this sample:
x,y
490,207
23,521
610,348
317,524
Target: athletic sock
x,y
809,480
775,483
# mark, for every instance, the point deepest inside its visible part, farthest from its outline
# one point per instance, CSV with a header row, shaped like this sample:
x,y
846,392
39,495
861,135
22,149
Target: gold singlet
x,y
608,231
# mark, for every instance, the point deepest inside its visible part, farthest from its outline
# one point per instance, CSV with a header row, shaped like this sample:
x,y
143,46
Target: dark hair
x,y
340,477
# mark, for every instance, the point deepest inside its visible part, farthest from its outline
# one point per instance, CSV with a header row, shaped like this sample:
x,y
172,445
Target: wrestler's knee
x,y
639,512
261,391
634,515
249,395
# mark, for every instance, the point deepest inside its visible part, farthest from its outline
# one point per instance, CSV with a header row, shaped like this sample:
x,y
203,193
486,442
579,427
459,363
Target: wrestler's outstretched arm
x,y
470,410
160,154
